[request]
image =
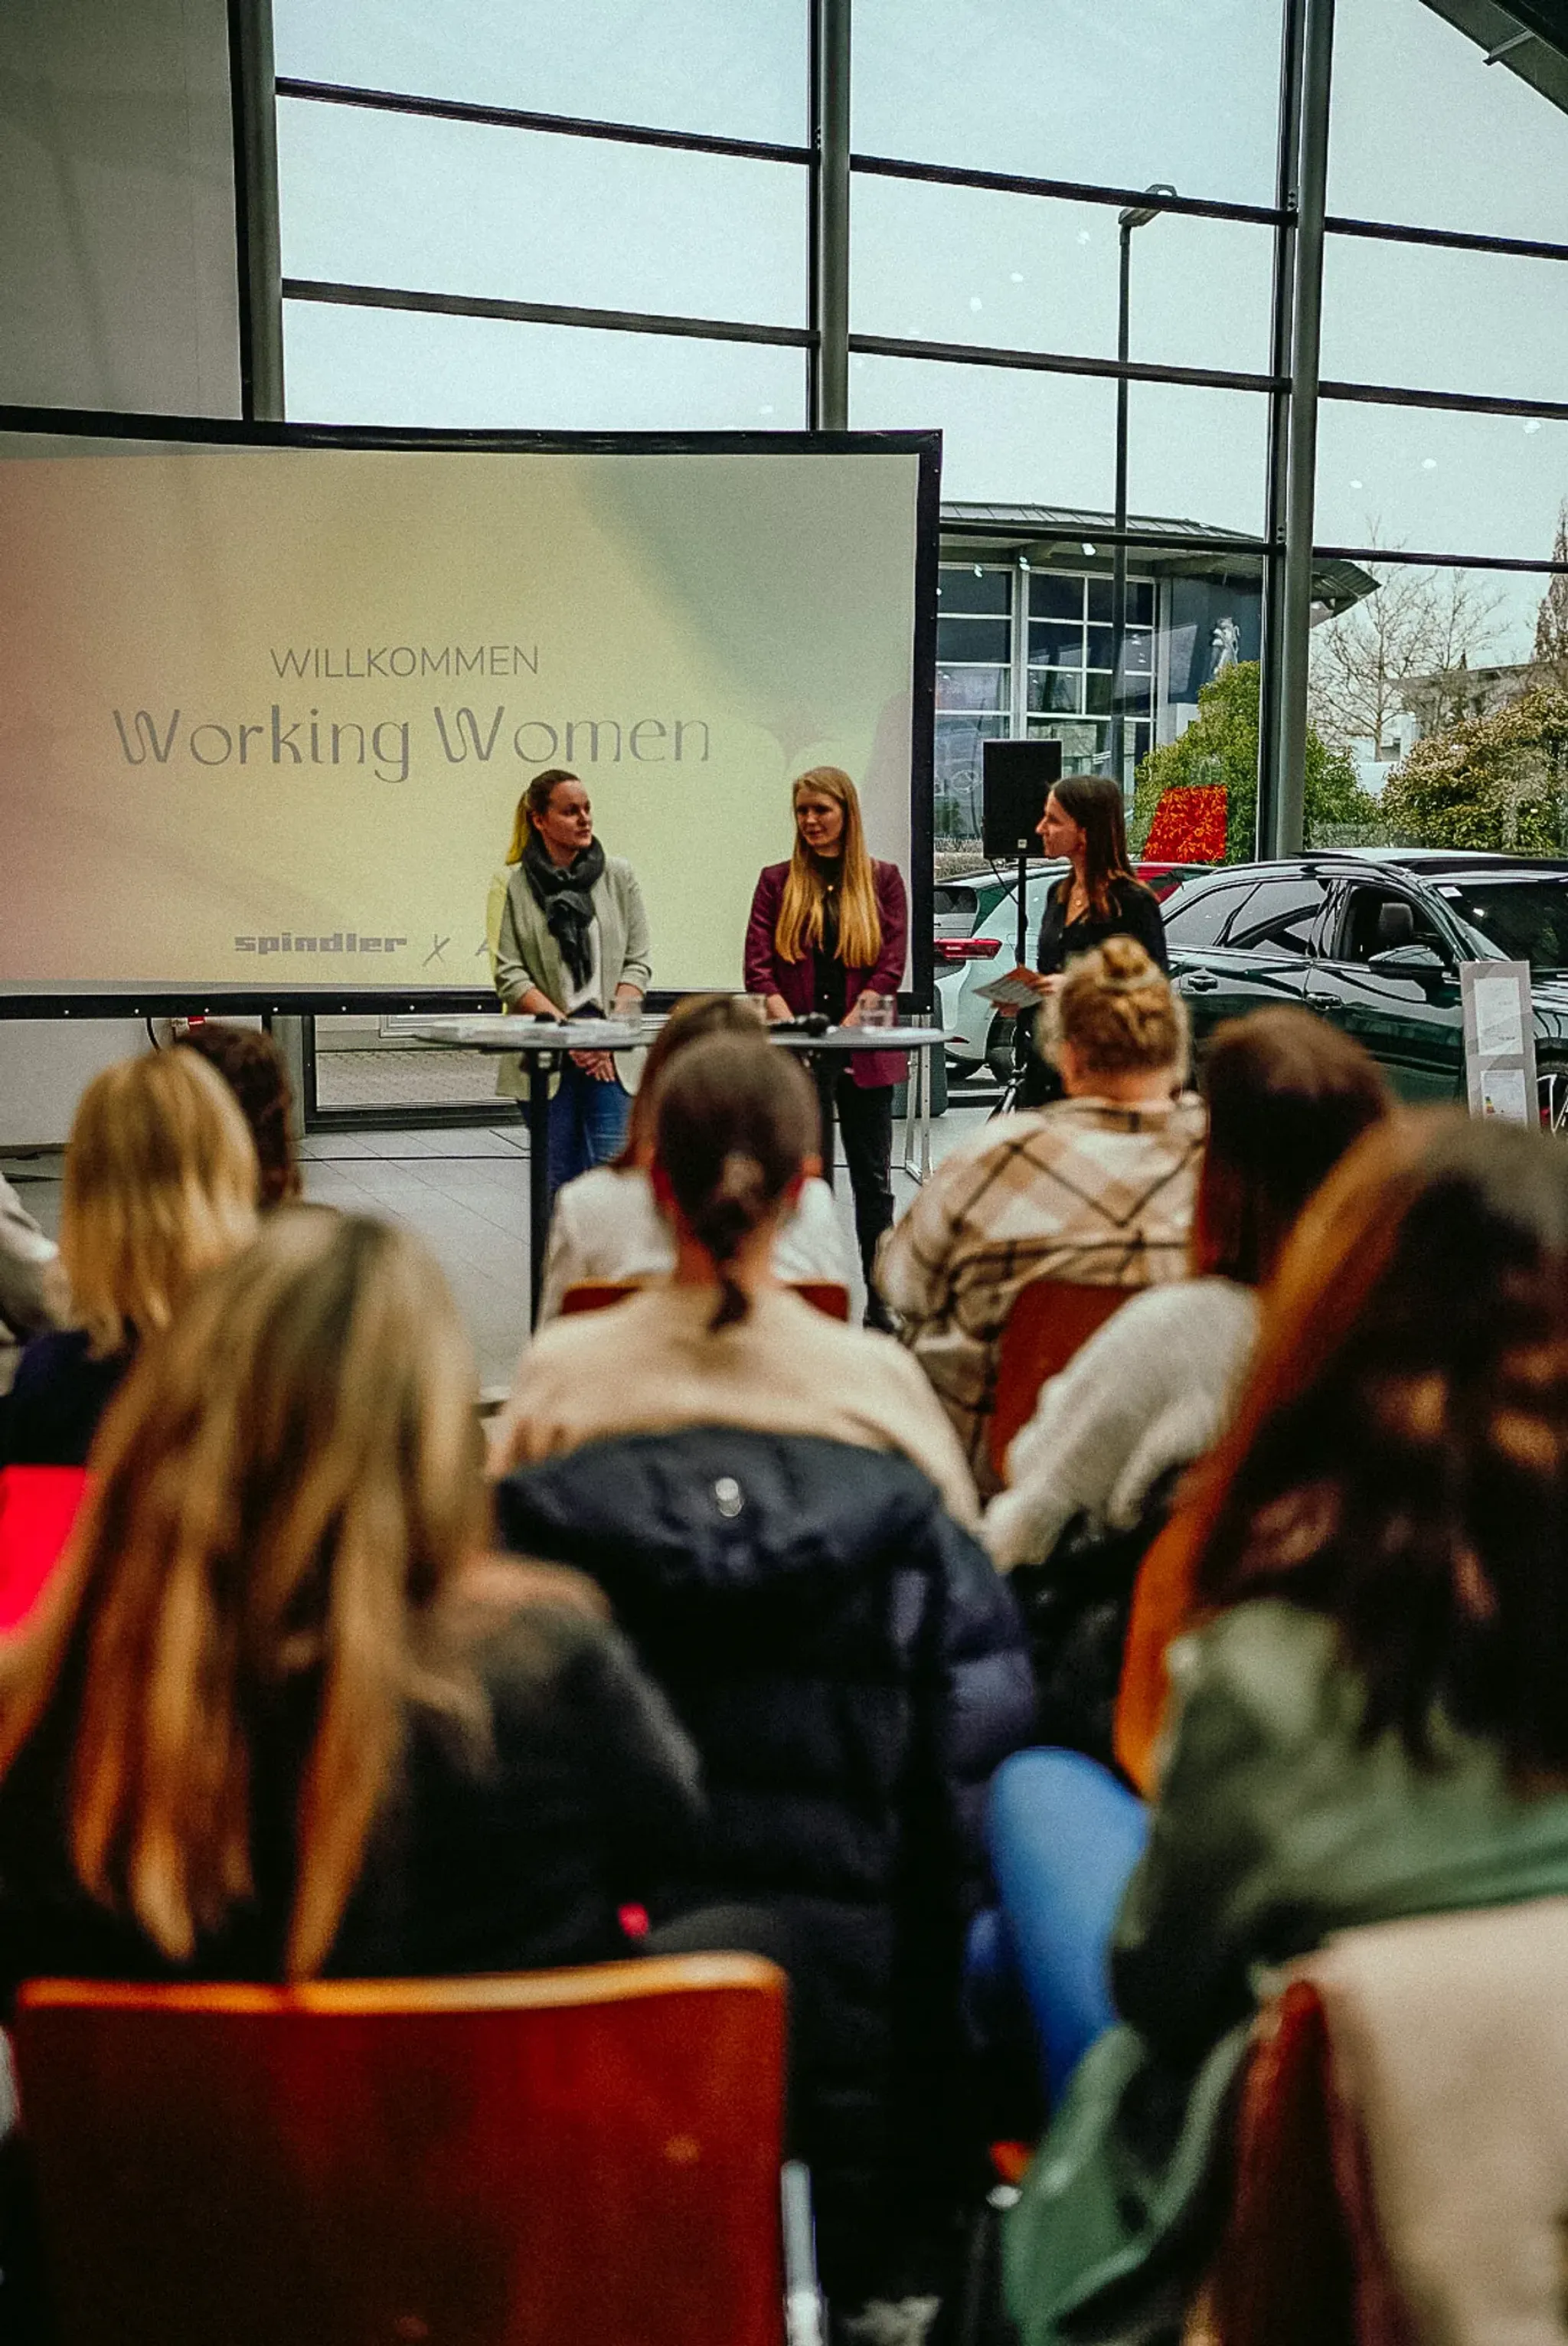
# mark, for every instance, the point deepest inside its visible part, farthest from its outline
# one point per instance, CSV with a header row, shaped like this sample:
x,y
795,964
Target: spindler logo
x,y
340,941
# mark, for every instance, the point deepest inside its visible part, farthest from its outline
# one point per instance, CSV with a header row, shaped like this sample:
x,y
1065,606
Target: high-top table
x,y
542,1043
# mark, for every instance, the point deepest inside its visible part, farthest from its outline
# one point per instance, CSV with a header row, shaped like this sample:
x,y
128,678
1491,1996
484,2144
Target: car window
x,y
1200,917
1525,919
1361,939
1280,919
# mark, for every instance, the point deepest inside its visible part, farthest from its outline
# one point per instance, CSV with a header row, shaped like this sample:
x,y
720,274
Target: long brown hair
x,y
1094,803
1399,1459
737,1120
286,1481
161,1182
694,1015
254,1069
1287,1095
800,924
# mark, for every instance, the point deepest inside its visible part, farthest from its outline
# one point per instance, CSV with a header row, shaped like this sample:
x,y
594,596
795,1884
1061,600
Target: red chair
x,y
566,2159
1300,2263
1050,1318
38,1505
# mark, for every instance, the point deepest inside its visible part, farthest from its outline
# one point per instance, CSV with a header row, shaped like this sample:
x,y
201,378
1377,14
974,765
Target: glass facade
x,y
494,213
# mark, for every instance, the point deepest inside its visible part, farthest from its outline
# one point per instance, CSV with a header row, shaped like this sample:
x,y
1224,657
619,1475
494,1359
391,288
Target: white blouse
x,y
606,1225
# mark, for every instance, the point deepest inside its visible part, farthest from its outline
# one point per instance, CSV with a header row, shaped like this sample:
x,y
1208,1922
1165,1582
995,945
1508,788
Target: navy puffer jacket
x,y
852,1671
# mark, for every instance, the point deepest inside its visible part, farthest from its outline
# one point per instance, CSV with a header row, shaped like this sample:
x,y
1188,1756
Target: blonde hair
x,y
288,1479
1116,1011
799,923
161,1182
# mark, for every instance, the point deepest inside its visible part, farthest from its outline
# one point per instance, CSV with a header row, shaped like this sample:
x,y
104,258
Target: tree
x,y
1497,781
1422,625
1220,745
1550,665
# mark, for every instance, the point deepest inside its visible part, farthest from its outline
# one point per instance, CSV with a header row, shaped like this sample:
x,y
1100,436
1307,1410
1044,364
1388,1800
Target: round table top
x,y
496,1031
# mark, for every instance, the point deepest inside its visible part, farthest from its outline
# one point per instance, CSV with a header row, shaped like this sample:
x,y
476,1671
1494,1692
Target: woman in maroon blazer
x,y
828,931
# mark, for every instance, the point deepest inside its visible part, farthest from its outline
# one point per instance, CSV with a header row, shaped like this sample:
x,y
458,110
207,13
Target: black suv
x,y
1373,940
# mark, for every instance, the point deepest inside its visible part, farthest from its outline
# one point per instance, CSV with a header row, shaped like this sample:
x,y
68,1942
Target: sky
x,y
1110,92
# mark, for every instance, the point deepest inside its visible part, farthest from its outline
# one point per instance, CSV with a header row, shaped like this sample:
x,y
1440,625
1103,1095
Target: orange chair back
x,y
38,1505
569,2158
1050,1318
827,1295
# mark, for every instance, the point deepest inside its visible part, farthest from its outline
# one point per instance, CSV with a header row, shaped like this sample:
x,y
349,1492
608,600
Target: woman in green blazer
x,y
1372,1725
571,939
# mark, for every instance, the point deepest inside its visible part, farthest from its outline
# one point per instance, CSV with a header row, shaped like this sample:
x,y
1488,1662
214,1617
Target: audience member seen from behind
x,y
161,1183
1286,1094
34,1292
1095,1189
278,1714
1373,1725
737,1135
252,1066
760,1492
606,1224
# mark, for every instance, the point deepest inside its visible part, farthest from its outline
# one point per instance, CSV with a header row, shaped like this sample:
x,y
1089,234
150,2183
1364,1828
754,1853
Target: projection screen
x,y
268,705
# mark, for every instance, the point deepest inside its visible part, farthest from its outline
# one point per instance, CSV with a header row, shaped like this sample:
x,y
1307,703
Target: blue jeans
x,y
587,1124
1064,1837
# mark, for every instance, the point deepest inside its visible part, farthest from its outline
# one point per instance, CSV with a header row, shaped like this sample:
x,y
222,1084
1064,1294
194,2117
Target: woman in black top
x,y
1097,898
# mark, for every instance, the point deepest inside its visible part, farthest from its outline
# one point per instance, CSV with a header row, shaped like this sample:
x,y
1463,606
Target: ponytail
x,y
735,1123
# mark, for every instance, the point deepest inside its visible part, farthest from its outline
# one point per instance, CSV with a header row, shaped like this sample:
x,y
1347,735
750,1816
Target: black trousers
x,y
866,1122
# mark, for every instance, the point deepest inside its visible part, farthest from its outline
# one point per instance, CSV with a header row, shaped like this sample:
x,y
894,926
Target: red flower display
x,y
1188,825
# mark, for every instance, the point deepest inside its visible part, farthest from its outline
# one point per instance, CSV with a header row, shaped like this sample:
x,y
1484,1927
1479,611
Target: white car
x,y
964,965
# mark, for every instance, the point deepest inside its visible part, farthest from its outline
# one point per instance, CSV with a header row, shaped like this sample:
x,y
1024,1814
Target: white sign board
x,y
1498,1040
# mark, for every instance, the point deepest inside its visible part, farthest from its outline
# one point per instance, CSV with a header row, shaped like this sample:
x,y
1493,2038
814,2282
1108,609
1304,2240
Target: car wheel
x,y
999,1048
1551,1092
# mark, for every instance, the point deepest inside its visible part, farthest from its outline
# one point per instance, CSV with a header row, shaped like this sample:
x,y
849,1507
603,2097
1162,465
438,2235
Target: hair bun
x,y
1126,965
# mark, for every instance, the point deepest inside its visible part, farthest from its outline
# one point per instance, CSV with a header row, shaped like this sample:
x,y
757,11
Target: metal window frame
x,y
1298,220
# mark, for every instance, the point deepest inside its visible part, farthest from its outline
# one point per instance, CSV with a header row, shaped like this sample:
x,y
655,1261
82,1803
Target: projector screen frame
x,y
218,432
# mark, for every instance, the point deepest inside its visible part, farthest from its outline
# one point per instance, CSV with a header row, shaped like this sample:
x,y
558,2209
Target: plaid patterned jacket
x,y
1082,1190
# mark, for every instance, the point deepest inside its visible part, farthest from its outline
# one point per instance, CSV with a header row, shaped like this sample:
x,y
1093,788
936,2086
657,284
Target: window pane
x,y
1280,919
1082,743
1055,689
972,586
1414,314
1199,921
396,366
1097,648
1056,643
1119,94
1423,132
1430,654
1197,455
686,64
1439,481
972,687
382,199
973,639
1010,435
958,774
957,265
1055,598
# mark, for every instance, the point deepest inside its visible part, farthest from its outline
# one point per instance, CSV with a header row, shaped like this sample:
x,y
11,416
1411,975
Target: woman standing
x,y
1098,897
573,939
828,933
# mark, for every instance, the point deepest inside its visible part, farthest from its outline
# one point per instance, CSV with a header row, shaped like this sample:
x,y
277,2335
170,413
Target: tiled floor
x,y
466,1191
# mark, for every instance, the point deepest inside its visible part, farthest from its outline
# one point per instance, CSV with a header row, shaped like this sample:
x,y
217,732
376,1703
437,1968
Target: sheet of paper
x,y
1502,1093
1498,1027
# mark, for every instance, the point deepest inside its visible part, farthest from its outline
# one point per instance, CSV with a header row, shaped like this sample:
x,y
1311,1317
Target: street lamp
x,y
1134,216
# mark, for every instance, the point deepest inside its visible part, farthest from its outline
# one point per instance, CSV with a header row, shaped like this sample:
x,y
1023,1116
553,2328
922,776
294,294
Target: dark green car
x,y
1374,939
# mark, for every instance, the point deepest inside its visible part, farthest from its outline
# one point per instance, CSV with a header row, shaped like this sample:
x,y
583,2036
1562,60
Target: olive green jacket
x,y
1277,1824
